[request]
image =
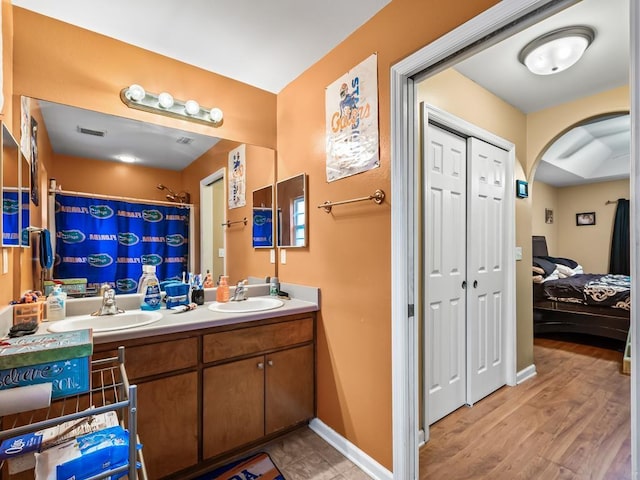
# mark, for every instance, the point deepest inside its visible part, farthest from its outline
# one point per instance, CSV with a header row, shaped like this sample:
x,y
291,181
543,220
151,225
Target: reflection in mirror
x,y
263,217
291,207
10,190
25,196
83,151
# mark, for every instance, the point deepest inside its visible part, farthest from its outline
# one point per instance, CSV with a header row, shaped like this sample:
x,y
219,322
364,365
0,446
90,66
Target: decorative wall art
x,y
586,218
237,177
35,192
548,215
351,109
25,136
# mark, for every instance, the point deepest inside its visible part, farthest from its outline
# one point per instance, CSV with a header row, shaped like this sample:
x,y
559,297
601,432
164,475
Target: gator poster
x,y
351,105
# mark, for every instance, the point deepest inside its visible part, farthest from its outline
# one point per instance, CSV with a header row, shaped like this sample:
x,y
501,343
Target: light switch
x,y
518,253
272,255
221,253
283,256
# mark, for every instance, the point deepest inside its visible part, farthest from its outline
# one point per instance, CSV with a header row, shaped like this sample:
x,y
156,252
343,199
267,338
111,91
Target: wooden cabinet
x,y
208,393
248,399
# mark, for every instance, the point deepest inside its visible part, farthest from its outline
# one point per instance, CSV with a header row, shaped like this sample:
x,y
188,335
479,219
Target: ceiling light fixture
x,y
164,103
556,51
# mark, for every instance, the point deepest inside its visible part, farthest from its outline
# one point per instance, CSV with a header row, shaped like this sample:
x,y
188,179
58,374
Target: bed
x,y
566,300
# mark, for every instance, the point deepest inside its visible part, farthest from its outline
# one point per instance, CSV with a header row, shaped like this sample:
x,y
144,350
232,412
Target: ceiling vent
x,y
89,131
184,140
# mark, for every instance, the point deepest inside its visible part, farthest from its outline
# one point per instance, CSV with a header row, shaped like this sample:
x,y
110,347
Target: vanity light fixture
x,y
556,51
134,96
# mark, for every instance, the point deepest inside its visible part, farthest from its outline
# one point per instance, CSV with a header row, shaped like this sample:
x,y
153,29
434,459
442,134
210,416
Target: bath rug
x,y
258,466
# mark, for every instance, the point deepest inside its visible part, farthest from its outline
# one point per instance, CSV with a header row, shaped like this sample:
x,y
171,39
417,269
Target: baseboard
x,y
349,450
526,374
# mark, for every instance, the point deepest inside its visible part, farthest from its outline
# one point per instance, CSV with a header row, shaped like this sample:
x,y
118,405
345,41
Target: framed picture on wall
x,y
548,215
586,218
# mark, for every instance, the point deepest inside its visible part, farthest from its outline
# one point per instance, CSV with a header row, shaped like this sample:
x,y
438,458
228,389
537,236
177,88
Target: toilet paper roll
x,y
22,399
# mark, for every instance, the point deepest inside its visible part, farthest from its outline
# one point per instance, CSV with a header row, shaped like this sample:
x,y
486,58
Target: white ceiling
x,y
266,44
285,37
605,65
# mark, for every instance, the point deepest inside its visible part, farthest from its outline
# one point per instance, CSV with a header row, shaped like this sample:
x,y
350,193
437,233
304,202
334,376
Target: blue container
x,y
177,294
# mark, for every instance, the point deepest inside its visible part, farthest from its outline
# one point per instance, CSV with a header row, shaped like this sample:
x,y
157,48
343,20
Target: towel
x,y
46,253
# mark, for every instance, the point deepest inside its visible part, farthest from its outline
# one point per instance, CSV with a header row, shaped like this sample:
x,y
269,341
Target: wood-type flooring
x,y
571,422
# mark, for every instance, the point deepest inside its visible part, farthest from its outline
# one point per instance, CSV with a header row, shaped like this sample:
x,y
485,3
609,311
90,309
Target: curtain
x,y
619,261
108,241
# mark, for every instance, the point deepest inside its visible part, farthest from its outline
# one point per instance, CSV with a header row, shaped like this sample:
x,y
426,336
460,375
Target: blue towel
x,y
46,253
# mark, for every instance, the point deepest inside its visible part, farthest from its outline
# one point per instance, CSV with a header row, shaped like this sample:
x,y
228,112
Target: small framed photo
x,y
586,218
522,189
548,215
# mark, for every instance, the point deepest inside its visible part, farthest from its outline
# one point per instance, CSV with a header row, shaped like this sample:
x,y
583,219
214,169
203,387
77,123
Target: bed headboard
x,y
539,244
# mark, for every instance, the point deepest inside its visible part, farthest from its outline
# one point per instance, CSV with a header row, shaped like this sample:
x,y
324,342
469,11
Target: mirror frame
x,y
25,200
258,212
280,186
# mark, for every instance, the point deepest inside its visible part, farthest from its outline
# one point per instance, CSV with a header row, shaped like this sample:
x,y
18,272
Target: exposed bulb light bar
x,y
556,51
164,103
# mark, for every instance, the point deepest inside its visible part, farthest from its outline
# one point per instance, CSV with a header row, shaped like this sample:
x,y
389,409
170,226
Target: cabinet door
x,y
168,423
289,388
233,405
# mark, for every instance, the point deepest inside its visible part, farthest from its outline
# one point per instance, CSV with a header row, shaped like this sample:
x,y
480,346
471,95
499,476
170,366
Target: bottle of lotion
x,y
57,304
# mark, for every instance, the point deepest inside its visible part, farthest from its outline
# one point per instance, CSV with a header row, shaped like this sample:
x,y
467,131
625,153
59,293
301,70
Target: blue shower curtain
x,y
620,259
108,241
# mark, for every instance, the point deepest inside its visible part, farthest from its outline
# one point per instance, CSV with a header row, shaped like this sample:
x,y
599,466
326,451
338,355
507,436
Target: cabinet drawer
x,y
245,341
155,358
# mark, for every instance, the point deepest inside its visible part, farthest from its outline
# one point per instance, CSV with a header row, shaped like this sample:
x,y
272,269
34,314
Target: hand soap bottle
x,y
56,304
222,293
150,290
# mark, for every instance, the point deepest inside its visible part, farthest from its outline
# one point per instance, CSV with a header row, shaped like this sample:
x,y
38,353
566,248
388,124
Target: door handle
x,y
464,284
475,284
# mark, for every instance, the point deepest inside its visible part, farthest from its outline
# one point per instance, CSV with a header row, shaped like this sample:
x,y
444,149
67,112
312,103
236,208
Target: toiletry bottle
x,y
222,293
56,304
150,290
274,286
146,270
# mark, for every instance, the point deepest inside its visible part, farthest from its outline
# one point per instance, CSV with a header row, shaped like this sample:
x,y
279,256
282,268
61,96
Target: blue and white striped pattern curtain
x,y
108,241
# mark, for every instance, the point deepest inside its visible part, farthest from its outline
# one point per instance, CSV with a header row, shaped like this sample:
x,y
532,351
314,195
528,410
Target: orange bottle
x,y
222,293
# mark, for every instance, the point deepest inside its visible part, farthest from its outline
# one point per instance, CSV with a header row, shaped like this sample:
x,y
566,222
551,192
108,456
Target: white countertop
x,y
200,318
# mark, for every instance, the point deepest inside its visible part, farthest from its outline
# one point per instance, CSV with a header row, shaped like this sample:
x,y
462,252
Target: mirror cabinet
x,y
262,230
25,197
291,208
11,220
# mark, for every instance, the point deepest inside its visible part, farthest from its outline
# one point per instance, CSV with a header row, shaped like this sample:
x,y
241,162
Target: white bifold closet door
x,y
464,276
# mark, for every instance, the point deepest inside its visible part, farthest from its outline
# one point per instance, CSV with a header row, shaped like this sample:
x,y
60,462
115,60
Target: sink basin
x,y
106,323
251,304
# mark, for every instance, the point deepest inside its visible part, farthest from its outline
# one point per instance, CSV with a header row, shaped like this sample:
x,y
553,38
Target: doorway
x,y
497,23
212,218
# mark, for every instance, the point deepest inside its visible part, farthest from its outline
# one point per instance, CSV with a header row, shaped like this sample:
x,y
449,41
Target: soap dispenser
x,y
222,293
57,304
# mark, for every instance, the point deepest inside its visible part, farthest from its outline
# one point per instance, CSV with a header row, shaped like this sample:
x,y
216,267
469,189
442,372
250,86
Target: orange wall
x,y
349,252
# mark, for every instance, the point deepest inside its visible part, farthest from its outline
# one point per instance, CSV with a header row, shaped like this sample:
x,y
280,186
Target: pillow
x,y
544,264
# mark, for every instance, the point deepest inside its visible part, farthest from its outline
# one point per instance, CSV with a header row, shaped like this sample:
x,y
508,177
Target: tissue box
x,y
60,358
72,286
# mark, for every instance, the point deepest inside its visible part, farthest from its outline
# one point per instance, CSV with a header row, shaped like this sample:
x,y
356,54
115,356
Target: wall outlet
x,y
272,256
221,253
518,253
283,256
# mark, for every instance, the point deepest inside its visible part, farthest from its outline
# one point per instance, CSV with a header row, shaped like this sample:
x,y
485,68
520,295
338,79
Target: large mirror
x,y
10,190
85,151
27,195
262,235
291,201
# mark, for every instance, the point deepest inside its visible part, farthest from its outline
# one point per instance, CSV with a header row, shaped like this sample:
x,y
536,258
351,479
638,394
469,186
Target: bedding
x,y
591,289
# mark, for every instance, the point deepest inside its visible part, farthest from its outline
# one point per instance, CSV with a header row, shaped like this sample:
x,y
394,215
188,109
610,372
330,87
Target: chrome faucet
x,y
240,293
108,306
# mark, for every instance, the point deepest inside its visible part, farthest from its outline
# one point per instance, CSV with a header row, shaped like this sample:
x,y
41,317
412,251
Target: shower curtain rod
x,y
113,197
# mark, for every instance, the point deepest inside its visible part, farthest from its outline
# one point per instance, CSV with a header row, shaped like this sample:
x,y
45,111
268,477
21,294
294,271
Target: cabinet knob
x,y
260,365
270,363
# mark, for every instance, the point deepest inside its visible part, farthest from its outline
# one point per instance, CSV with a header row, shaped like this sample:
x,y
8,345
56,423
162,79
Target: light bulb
x,y
136,92
216,115
165,100
192,107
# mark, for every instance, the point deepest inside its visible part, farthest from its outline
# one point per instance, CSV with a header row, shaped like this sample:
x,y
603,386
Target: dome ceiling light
x,y
556,51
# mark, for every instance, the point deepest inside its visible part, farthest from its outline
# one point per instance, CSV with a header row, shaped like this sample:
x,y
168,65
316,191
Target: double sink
x,y
139,318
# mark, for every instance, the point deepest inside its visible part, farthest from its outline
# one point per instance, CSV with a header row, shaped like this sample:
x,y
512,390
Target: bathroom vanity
x,y
214,384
